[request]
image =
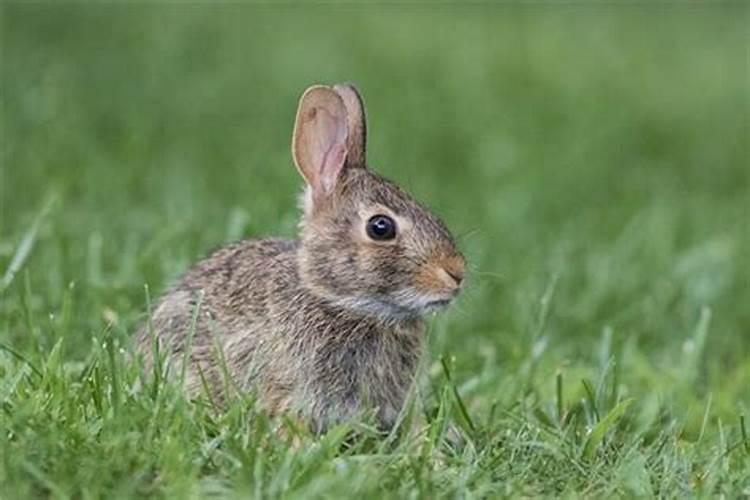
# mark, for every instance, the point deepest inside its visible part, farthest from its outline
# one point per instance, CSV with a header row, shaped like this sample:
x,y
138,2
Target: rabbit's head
x,y
366,244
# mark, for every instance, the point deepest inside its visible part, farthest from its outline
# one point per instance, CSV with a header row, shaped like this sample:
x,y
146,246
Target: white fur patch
x,y
306,200
408,304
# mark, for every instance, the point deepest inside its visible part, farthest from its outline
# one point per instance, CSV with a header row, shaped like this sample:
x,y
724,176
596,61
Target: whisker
x,y
466,234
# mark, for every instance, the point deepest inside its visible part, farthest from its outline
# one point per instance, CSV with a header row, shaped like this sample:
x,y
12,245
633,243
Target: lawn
x,y
592,160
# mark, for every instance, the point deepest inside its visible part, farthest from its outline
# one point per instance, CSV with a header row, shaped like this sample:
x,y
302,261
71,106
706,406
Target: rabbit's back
x,y
219,311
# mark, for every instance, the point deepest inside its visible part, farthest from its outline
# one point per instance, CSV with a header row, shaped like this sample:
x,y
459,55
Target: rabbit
x,y
328,327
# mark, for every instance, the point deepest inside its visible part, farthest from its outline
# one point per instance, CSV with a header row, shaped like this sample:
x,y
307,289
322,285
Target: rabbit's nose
x,y
457,275
455,268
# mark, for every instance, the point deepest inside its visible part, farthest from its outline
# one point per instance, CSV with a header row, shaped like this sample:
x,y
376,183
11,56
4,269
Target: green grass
x,y
592,159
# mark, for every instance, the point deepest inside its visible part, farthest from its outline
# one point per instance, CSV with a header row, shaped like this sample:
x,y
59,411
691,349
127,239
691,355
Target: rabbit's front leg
x,y
333,402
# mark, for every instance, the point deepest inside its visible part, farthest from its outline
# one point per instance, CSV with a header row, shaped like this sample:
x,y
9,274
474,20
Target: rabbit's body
x,y
327,327
294,350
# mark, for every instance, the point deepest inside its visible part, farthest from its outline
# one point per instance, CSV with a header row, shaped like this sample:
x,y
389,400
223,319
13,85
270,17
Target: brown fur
x,y
328,326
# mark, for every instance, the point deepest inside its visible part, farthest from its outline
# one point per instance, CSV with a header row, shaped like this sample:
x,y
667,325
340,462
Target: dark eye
x,y
381,228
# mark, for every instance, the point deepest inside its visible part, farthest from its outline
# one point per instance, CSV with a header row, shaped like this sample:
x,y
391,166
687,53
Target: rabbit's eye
x,y
381,228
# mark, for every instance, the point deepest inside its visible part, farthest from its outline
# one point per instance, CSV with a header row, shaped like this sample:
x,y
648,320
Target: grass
x,y
592,159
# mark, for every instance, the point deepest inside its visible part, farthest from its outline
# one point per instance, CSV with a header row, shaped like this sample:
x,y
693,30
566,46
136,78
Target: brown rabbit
x,y
328,326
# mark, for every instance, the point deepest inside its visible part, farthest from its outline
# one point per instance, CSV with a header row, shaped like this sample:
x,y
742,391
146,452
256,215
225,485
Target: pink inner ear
x,y
320,140
330,165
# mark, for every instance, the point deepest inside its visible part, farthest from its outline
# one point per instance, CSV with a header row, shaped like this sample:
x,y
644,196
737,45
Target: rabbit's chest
x,y
335,368
369,353
366,370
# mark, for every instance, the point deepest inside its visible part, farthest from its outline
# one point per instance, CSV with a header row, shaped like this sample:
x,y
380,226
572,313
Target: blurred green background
x,y
592,160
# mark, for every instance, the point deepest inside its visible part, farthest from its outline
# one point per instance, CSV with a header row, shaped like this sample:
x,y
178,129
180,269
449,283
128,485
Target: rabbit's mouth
x,y
429,305
397,310
421,307
437,304
419,303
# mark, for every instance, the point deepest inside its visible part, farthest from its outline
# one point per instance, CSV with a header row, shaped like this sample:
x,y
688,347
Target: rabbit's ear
x,y
319,144
357,123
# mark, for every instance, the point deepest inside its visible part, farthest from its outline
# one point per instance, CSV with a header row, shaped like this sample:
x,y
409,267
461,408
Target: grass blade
x,y
591,397
596,436
466,420
559,393
24,248
20,357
